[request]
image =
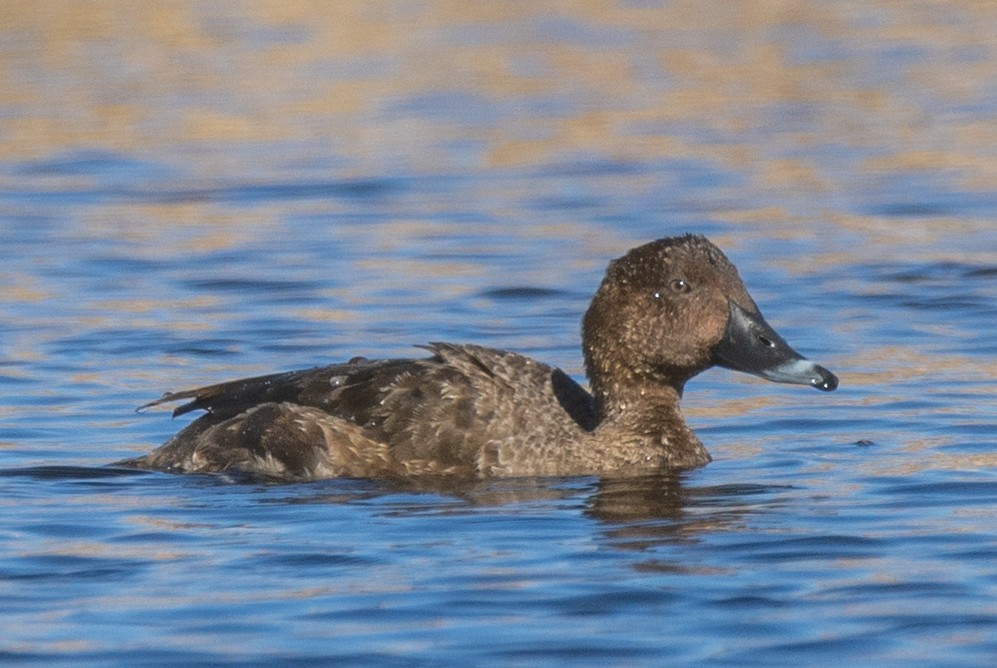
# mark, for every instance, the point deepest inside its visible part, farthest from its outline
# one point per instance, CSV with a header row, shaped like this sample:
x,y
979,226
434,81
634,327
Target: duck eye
x,y
679,285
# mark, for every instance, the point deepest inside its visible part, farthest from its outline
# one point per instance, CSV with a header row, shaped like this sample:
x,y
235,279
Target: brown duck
x,y
664,312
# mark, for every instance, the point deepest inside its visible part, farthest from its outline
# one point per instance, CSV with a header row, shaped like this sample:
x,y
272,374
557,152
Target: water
x,y
202,192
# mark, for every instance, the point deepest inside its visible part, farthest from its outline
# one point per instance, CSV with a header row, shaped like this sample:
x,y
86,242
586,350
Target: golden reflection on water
x,y
136,76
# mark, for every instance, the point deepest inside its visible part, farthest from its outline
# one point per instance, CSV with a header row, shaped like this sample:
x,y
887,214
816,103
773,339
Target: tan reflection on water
x,y
134,76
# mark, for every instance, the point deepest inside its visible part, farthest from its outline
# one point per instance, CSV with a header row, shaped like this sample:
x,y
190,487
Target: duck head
x,y
674,307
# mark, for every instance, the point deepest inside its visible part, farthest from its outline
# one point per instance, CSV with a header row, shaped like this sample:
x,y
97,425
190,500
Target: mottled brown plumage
x,y
664,312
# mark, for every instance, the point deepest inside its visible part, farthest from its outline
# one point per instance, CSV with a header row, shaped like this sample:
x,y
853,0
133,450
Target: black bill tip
x,y
824,379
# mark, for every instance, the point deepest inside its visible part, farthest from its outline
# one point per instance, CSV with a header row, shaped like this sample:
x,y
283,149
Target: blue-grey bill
x,y
752,346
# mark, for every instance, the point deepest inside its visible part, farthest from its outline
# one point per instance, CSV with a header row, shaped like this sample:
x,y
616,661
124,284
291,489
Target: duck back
x,y
464,410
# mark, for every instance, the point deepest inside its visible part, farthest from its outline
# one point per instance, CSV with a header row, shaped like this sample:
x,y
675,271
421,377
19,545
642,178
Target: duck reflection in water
x,y
665,311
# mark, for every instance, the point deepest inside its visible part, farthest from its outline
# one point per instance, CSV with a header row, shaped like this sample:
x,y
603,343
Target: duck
x,y
664,312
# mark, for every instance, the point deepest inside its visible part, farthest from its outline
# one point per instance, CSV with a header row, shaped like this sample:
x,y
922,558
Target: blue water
x,y
269,197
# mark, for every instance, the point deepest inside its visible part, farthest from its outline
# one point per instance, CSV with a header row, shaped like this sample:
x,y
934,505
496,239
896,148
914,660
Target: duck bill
x,y
752,346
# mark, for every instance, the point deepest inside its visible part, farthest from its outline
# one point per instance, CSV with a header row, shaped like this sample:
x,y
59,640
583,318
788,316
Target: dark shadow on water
x,y
522,292
70,472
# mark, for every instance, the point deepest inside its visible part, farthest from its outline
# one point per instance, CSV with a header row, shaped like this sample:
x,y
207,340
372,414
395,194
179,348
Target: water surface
x,y
196,193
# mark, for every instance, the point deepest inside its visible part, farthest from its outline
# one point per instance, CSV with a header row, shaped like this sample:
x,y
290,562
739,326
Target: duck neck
x,y
645,418
643,406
